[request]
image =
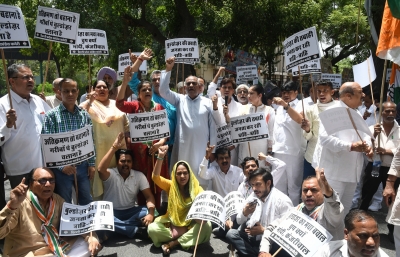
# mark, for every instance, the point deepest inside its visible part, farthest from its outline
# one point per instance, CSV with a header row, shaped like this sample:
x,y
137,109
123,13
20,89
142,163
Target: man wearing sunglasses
x,y
20,125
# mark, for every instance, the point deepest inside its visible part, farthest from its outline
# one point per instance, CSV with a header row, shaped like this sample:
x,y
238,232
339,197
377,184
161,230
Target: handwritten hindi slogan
x,y
246,73
248,128
185,50
300,235
313,66
13,32
56,25
335,79
212,207
148,126
124,60
67,148
90,41
223,136
77,219
301,47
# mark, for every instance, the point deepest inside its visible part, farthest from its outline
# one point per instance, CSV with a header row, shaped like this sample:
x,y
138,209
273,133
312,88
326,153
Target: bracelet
x,y
140,59
114,147
390,180
287,107
159,158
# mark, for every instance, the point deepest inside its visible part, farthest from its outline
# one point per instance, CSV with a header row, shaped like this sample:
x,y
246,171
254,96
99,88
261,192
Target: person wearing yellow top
x,y
172,229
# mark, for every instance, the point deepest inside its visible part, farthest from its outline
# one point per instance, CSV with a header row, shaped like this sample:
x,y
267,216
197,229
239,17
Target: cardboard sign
x,y
67,148
148,126
313,66
301,47
78,220
248,128
335,79
90,41
300,235
246,73
13,32
185,50
360,72
56,25
233,59
124,60
212,207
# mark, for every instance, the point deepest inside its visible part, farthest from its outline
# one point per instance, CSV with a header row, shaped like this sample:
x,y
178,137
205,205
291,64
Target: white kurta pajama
x,y
194,128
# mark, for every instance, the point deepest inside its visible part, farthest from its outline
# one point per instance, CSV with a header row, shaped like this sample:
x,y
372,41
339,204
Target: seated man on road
x,y
361,238
121,186
320,202
31,218
263,206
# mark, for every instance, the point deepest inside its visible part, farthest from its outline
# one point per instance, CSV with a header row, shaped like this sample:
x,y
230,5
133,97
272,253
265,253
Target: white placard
x,y
316,76
90,41
185,50
67,148
246,73
337,119
13,32
300,235
388,74
360,72
124,60
248,128
56,25
219,82
210,206
148,126
223,136
78,220
335,79
313,66
301,47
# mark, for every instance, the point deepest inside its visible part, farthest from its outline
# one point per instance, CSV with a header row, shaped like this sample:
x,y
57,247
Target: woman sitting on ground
x,y
171,229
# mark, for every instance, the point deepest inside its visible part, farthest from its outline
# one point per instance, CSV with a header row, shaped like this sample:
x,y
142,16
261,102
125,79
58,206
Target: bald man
x,y
54,100
341,154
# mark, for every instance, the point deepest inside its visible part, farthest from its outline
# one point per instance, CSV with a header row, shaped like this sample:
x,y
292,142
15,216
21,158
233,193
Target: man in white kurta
x,y
195,123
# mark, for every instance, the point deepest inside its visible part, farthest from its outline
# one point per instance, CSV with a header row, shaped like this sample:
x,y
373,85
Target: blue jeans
x,y
64,184
127,221
308,169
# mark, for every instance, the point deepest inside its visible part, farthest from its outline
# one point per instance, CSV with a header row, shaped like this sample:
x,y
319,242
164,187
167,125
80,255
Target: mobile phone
x,y
253,202
226,100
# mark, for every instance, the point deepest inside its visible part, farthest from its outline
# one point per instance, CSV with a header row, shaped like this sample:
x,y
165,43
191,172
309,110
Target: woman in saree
x,y
171,229
108,121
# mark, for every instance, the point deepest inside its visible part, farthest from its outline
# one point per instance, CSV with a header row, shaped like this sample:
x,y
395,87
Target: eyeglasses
x,y
191,83
227,88
43,181
26,77
155,79
242,92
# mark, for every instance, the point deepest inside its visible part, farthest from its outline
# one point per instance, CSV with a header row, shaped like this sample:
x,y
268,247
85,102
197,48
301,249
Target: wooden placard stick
x,y
183,76
7,82
370,86
47,66
352,123
197,240
301,91
177,74
248,144
277,251
76,188
313,89
90,75
381,98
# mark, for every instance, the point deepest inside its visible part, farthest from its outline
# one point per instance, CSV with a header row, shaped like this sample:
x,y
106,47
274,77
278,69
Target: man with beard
x,y
263,206
320,202
242,92
121,186
361,238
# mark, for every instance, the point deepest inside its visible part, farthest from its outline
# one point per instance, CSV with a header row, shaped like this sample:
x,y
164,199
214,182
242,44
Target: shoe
x,y
375,206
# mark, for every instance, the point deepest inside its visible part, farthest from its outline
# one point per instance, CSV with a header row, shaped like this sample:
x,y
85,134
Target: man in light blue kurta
x,y
195,122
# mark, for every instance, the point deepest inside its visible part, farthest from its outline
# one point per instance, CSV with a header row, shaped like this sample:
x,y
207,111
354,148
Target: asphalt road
x,y
121,246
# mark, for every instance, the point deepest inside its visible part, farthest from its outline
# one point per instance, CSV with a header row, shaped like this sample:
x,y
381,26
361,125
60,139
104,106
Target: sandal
x,y
166,249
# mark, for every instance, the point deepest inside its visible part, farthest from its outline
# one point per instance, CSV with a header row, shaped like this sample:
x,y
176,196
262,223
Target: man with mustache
x,y
320,202
262,207
121,186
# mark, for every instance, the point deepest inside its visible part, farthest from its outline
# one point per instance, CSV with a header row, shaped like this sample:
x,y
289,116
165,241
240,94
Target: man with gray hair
x,y
20,138
55,100
180,88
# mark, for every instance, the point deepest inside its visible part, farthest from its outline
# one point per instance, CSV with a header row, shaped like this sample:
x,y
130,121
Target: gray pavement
x,y
121,246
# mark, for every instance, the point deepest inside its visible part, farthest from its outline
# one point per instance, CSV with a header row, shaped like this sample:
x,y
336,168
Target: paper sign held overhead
x,y
13,32
124,60
313,66
56,25
90,41
360,72
246,73
148,126
335,79
185,50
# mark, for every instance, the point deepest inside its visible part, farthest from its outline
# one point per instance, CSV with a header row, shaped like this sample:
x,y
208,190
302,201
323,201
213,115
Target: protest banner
x,y
248,128
338,119
239,58
246,73
90,41
212,207
300,235
78,219
301,47
313,66
223,137
148,126
360,71
335,79
124,60
13,33
56,25
185,50
67,148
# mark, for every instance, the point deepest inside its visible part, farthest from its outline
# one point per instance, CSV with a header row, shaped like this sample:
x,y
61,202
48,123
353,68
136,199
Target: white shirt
x,y
339,249
53,101
222,183
123,193
371,119
21,148
288,135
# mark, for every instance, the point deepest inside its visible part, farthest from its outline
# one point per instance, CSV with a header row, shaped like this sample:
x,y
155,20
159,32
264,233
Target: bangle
x,y
159,158
114,147
140,59
390,180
